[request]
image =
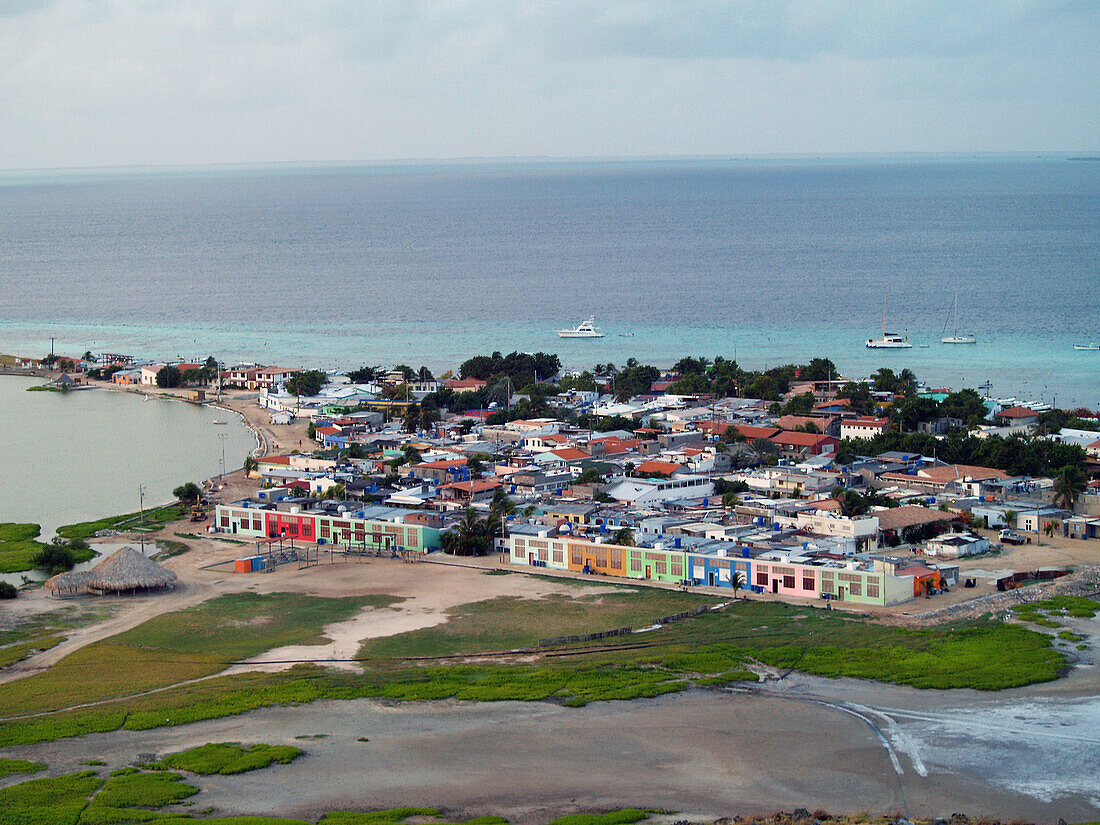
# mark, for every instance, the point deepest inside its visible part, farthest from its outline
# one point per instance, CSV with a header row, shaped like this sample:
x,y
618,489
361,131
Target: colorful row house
x,y
714,564
265,520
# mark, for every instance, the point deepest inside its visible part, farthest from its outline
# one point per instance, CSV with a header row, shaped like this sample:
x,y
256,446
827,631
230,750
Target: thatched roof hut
x,y
126,571
69,584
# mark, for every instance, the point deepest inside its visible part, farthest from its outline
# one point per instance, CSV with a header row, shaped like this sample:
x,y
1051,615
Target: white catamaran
x,y
889,340
954,337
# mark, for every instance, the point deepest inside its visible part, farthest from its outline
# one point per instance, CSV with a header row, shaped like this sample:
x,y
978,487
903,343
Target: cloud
x,y
205,81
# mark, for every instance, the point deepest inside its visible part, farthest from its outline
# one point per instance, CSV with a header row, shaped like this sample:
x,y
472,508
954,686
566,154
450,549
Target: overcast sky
x,y
95,82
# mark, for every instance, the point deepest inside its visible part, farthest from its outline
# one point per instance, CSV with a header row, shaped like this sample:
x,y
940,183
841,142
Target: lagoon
x,y
81,455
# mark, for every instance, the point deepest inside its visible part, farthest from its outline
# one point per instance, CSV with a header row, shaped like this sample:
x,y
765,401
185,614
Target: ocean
x,y
766,261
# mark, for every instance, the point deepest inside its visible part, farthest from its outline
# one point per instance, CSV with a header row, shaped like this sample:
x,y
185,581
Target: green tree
x,y
819,369
1068,485
55,558
168,377
472,536
188,493
737,580
799,405
250,464
624,537
965,405
306,383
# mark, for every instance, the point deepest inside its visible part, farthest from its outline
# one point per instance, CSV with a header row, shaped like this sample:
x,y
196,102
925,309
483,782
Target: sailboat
x,y
889,340
954,337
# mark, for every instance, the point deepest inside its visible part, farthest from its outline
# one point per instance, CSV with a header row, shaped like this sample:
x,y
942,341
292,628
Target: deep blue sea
x,y
768,261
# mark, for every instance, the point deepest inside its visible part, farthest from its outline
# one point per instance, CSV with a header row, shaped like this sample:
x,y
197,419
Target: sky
x,y
167,82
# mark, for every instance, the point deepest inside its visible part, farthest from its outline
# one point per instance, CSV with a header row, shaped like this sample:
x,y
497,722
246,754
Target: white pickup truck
x,y
1008,536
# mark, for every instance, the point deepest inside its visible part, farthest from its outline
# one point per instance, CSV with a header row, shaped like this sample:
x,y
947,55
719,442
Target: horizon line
x,y
489,160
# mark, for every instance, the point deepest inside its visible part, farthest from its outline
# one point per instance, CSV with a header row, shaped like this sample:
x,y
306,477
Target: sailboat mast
x,y
884,316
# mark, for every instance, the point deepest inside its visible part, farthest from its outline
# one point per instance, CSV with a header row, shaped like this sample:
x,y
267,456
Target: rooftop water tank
x,y
676,542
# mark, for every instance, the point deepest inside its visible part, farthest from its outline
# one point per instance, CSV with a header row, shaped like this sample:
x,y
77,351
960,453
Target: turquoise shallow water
x,y
768,261
1030,367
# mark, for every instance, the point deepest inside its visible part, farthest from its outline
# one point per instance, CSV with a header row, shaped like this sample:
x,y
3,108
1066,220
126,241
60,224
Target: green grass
x,y
51,801
1069,636
10,767
153,520
175,647
245,624
229,758
10,654
1077,607
18,546
710,649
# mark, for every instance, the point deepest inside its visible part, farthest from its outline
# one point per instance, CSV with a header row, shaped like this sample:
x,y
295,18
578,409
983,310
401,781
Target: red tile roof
x,y
751,432
570,454
665,468
1017,412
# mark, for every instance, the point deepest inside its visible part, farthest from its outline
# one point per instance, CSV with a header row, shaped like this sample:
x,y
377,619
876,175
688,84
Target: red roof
x,y
866,421
827,504
570,454
918,571
274,459
751,432
795,439
1017,412
664,468
329,430
440,465
836,402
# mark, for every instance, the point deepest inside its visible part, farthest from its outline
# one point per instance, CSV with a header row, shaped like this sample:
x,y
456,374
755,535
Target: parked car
x,y
1011,537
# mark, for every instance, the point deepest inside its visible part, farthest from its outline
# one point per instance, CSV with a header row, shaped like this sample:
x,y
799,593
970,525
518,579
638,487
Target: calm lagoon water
x,y
81,455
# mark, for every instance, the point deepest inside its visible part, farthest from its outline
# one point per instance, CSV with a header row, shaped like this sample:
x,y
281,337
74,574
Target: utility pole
x,y
221,438
141,509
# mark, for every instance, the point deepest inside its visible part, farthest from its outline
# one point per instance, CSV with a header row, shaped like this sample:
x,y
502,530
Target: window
x,y
225,521
292,528
414,538
872,591
257,524
616,560
788,581
808,583
762,579
827,586
855,588
575,555
558,556
324,529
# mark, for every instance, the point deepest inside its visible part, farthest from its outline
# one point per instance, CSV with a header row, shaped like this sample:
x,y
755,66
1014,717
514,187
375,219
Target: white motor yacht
x,y
582,330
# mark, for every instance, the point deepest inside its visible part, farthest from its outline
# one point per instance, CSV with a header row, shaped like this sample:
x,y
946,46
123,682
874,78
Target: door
x,y
710,578
647,573
840,594
775,585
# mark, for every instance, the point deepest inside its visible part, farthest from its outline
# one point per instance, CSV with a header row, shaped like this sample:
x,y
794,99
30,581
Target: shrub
x,y
8,590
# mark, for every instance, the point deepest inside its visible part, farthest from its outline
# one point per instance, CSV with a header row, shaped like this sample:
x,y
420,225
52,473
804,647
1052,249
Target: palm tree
x,y
1010,518
737,579
1068,484
624,537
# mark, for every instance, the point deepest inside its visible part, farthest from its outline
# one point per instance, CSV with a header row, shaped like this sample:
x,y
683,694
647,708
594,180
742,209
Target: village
x,y
675,485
